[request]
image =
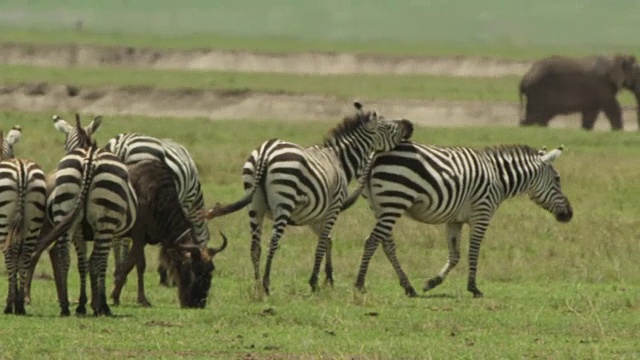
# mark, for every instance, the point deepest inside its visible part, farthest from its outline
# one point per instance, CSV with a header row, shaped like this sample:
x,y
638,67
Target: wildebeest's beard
x,y
192,273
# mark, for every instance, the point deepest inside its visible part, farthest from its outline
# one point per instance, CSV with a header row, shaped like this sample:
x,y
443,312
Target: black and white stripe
x,y
454,186
22,206
92,195
307,186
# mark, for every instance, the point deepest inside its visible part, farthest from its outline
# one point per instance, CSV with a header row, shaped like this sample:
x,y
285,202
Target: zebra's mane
x,y
347,127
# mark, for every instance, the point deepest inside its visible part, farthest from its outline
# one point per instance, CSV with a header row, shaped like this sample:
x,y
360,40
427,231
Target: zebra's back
x,y
309,180
22,194
108,195
434,184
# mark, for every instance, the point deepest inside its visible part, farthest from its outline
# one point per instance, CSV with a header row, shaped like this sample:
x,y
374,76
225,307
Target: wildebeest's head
x,y
191,267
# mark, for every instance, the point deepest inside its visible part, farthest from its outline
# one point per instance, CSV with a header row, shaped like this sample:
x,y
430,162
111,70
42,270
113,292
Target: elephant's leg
x,y
589,117
613,111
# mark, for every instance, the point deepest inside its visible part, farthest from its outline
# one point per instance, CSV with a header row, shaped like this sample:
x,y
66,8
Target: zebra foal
x,y
298,186
22,203
453,186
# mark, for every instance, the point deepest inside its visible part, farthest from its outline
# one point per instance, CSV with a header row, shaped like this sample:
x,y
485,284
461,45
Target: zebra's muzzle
x,y
564,216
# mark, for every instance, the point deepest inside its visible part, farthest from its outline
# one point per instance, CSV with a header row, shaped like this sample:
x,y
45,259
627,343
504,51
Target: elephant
x,y
563,85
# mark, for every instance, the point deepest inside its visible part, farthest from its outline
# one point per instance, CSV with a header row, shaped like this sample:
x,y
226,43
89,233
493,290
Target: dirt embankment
x,y
299,63
112,101
214,105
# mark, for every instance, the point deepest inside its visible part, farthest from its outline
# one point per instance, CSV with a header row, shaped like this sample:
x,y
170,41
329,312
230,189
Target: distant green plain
x,y
514,29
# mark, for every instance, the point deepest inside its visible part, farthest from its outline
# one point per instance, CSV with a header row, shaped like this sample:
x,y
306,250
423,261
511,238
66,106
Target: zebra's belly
x,y
429,213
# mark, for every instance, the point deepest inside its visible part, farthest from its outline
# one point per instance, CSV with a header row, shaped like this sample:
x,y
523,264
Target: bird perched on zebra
x,y
22,203
453,186
133,148
294,185
92,194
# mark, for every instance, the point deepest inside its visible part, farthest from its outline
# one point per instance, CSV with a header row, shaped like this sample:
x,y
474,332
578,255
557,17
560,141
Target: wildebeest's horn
x,y
213,251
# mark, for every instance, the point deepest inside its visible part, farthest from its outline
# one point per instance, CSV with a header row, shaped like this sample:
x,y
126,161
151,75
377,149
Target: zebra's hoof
x,y
431,283
411,292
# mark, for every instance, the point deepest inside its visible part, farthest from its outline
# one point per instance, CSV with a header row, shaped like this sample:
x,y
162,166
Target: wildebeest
x,y
161,220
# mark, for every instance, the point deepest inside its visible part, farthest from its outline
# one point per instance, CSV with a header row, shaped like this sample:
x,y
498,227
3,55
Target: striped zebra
x,y
133,148
22,203
454,186
298,186
13,136
93,195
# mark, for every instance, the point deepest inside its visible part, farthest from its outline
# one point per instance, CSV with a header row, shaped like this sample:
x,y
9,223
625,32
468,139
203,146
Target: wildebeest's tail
x,y
221,210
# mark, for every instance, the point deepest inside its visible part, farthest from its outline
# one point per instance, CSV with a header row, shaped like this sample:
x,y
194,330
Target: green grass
x,y
282,44
517,25
552,291
380,87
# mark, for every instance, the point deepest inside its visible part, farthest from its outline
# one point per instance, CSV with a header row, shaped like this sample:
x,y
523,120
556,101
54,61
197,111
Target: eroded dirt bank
x,y
215,105
302,63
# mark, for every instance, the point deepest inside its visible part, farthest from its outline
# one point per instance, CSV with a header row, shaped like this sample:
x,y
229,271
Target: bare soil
x,y
255,105
299,63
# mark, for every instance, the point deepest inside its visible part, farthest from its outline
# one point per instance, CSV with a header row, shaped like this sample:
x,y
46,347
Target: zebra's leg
x,y
280,224
453,239
389,247
328,263
124,270
98,272
23,266
370,247
81,251
256,218
323,247
10,262
59,255
478,229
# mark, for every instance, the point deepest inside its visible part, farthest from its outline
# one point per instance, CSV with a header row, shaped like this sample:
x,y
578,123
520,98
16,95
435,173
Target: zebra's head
x,y
77,136
546,190
191,267
386,133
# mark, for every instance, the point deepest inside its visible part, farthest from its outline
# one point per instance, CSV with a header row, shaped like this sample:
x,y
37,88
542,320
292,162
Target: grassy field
x,y
379,87
553,291
514,29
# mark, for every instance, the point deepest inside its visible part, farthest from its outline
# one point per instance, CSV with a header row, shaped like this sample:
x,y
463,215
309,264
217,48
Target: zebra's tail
x,y
362,181
67,221
15,231
221,210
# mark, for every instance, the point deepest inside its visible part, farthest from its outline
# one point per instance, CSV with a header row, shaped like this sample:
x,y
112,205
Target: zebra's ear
x,y
372,120
549,157
94,125
14,135
61,124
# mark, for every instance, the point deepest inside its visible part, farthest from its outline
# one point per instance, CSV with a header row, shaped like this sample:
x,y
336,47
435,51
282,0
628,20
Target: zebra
x,y
454,186
73,139
298,186
22,204
133,148
13,136
93,195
